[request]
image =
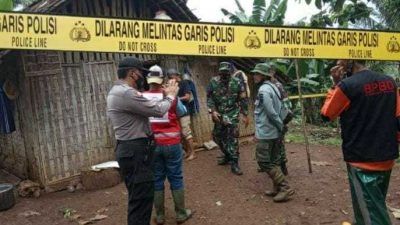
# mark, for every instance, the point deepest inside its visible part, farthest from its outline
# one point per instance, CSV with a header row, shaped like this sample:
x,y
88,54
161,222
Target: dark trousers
x,y
135,159
227,138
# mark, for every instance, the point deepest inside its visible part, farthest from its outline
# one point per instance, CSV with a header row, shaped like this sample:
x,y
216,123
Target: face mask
x,y
139,81
225,76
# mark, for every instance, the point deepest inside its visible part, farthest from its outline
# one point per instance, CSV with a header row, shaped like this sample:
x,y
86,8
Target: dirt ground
x,y
321,197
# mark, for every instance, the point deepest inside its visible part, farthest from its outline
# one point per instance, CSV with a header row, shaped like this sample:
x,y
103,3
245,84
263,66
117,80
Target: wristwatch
x,y
170,98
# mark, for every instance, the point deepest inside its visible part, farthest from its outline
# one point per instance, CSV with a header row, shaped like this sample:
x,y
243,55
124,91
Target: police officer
x,y
128,111
226,98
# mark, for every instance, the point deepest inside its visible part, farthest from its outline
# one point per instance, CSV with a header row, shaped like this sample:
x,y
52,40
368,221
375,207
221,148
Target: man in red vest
x,y
168,153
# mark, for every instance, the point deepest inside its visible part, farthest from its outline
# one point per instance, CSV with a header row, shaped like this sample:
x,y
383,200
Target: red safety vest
x,y
167,133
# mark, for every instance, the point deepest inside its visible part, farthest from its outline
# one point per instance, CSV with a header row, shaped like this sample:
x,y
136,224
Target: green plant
x,y
6,5
67,212
273,14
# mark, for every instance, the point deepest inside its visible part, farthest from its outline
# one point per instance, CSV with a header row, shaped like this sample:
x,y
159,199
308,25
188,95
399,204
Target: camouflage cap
x,y
224,66
262,68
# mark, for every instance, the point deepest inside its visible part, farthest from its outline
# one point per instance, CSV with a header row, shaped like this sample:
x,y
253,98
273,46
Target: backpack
x,y
285,114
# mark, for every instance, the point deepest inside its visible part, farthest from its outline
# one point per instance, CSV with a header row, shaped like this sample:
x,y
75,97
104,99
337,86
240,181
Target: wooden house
x,y
61,124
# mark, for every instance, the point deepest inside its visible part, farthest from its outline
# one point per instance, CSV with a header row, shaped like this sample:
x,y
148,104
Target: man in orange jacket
x,y
368,105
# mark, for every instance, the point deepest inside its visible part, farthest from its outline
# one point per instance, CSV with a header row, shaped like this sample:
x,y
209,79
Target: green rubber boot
x,y
159,206
273,192
284,190
182,213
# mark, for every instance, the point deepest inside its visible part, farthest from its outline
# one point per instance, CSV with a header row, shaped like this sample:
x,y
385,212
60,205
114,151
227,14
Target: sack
x,y
243,77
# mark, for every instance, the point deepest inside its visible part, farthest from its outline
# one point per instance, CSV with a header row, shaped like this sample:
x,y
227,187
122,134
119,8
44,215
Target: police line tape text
x,y
212,50
360,54
135,46
296,52
28,42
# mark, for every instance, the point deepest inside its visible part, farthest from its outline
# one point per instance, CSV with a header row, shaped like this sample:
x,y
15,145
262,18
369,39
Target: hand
x,y
171,89
255,139
216,117
281,139
284,130
337,73
246,121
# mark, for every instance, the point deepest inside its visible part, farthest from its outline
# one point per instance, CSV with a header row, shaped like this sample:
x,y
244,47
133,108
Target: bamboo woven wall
x,y
12,146
67,98
69,124
12,150
61,114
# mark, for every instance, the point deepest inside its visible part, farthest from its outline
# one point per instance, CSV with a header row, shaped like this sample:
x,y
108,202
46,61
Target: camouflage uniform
x,y
228,98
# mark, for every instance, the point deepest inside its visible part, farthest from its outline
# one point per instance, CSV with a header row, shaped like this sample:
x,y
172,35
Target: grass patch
x,y
316,135
331,141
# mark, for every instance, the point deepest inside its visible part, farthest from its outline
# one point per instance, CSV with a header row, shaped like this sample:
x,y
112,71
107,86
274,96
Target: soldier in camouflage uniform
x,y
226,99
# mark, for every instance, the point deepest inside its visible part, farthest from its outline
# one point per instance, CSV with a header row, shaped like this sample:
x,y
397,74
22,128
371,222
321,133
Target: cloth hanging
x,y
195,106
7,123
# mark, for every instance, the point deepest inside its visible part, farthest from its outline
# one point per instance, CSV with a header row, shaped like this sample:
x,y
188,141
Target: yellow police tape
x,y
122,35
307,96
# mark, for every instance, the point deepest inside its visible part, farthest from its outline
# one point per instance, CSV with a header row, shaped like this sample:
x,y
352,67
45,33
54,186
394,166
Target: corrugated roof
x,y
44,6
176,8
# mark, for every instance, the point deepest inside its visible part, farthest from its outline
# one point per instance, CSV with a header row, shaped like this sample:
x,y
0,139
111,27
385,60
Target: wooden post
x,y
303,118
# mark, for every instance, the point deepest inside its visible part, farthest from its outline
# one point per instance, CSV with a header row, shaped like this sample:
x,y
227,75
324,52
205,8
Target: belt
x,y
137,140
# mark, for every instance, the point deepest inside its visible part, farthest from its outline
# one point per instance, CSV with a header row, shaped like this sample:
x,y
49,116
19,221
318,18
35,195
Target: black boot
x,y
224,161
235,168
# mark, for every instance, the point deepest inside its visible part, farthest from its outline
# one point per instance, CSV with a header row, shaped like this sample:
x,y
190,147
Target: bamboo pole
x,y
303,118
